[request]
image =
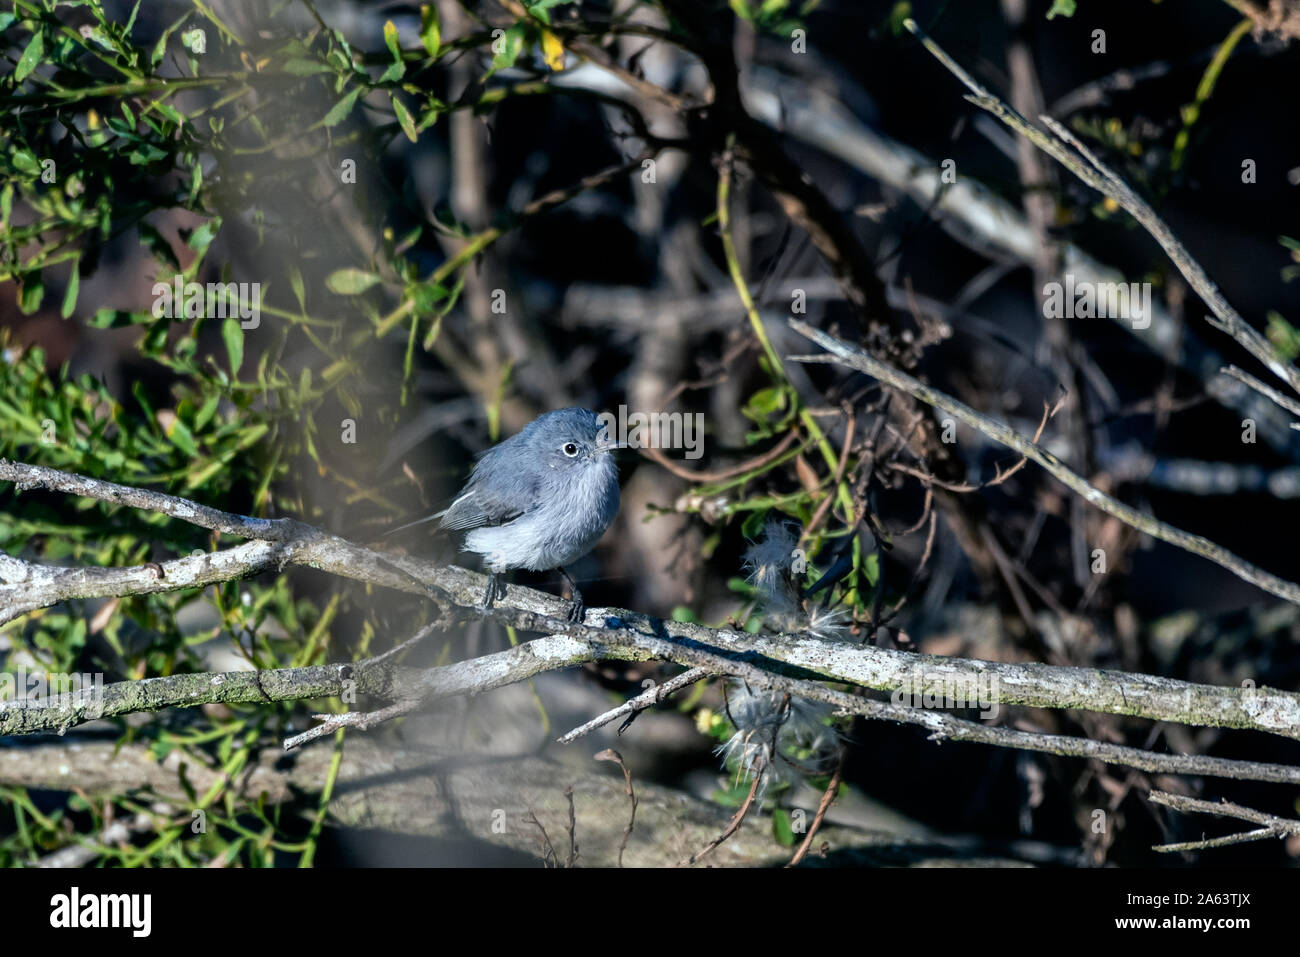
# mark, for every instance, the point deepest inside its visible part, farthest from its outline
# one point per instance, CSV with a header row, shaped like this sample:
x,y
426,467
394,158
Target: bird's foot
x,y
577,610
496,588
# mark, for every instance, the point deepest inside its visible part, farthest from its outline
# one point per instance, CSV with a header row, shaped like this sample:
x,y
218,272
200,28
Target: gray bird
x,y
539,500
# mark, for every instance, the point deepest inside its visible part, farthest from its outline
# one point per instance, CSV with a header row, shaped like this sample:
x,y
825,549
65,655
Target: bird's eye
x,y
570,449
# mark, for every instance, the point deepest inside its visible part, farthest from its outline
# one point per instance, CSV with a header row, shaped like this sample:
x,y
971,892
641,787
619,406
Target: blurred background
x,y
454,227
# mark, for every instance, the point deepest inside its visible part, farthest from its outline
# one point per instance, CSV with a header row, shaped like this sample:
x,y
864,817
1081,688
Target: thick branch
x,y
779,662
425,791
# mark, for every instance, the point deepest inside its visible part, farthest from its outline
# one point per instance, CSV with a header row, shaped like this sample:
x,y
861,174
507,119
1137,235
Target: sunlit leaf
x,y
350,282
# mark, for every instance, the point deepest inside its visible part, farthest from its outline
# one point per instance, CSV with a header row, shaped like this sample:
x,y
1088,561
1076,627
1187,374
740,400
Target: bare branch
x,y
609,754
1101,178
828,797
1273,826
1291,405
855,358
732,826
632,706
26,476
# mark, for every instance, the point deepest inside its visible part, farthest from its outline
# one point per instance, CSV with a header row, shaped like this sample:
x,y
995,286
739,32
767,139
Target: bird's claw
x,y
577,611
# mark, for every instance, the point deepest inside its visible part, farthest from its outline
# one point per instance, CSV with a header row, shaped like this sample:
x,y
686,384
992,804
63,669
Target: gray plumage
x,y
542,498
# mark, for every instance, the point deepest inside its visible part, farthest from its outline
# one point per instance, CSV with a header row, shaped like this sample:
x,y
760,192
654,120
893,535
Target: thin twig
x,y
646,699
732,826
856,358
572,827
1273,826
824,508
720,475
549,857
1101,178
1291,405
828,797
609,754
361,720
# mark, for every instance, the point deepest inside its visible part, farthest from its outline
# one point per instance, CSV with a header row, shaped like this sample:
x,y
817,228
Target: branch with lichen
x,y
792,664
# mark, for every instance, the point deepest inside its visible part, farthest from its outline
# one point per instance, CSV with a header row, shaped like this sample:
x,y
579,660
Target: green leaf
x,y
872,568
201,237
341,109
541,9
233,333
426,297
782,829
206,413
158,245
742,10
31,292
350,282
405,119
741,587
753,523
769,400
74,283
733,796
430,29
31,56
301,67
391,40
156,338
107,318
1064,8
428,116
181,437
145,154
1284,336
512,44
130,21
901,12
25,162
159,49
299,290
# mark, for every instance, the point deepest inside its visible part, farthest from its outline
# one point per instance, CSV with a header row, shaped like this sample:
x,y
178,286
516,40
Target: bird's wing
x,y
470,510
504,485
492,497
475,507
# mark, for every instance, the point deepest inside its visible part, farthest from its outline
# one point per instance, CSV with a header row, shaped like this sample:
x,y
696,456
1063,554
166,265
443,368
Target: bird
x,y
538,500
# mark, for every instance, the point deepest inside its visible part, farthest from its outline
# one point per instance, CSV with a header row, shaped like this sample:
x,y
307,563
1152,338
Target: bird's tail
x,y
418,521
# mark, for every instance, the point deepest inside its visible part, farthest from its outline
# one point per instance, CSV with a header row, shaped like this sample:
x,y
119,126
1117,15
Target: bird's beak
x,y
611,446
